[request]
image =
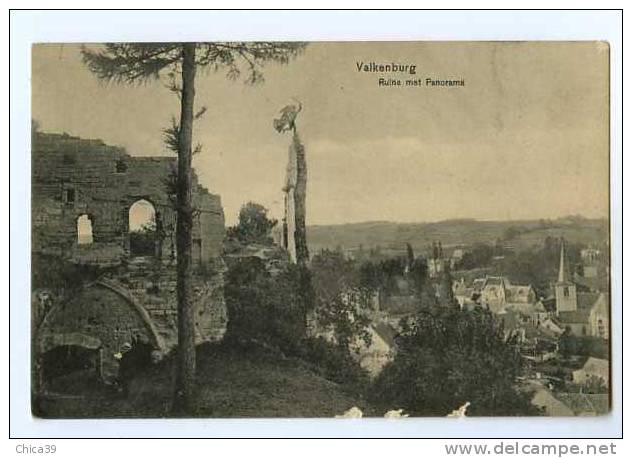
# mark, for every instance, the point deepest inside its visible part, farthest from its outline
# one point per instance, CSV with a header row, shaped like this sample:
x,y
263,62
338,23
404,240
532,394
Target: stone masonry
x,y
136,298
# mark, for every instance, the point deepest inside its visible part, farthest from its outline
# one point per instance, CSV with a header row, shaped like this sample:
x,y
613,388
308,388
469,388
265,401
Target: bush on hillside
x,y
450,357
265,308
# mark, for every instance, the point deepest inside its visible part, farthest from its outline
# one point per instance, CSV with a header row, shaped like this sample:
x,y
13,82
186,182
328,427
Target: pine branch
x,y
171,136
130,62
254,55
139,62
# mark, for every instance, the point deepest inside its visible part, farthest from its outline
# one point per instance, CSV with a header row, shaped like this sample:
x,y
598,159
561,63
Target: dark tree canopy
x,y
343,300
263,308
450,357
254,226
139,62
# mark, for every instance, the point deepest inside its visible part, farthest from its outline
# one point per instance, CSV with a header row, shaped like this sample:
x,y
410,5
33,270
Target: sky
x,y
525,138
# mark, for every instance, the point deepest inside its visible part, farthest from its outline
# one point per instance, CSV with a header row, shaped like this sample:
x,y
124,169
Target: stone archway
x,y
104,314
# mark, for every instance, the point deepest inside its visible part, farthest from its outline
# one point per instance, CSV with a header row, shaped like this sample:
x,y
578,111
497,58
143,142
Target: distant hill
x,y
455,233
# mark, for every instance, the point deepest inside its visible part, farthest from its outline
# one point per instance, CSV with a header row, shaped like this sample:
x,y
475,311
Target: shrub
x,y
335,363
263,308
451,357
254,226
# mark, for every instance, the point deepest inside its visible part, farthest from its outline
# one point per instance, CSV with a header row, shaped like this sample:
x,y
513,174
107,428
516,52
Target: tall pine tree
x,y
131,63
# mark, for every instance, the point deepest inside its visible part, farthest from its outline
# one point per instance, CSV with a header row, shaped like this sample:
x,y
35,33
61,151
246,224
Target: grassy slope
x,y
231,384
450,233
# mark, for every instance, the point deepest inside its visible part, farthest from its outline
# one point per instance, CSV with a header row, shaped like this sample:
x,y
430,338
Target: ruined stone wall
x,y
97,314
74,177
154,288
137,303
137,297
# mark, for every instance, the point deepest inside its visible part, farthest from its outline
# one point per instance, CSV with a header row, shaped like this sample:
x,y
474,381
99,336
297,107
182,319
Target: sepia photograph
x,y
311,229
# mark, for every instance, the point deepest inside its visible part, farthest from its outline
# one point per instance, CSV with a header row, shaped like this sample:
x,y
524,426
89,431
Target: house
x,y
594,264
380,351
551,325
594,367
599,317
497,293
536,342
457,256
372,356
590,318
382,330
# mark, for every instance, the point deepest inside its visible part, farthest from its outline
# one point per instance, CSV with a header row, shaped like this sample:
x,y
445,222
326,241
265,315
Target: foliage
x,y
446,294
265,309
382,275
62,279
594,385
171,135
142,241
513,232
342,300
335,363
54,273
138,62
480,255
450,357
534,266
254,226
571,345
270,312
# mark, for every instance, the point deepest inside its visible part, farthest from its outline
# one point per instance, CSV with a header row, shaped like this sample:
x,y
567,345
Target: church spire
x,y
565,291
562,273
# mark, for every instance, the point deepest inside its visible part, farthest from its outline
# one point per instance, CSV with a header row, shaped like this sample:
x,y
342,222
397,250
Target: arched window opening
x,y
142,229
84,230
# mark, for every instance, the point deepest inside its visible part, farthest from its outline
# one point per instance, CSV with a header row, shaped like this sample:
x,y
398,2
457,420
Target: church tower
x,y
565,290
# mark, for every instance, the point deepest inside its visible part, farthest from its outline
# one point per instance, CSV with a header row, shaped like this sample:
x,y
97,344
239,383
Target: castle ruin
x,y
79,184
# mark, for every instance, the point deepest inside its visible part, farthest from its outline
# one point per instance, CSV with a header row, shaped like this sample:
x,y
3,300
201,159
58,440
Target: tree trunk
x,y
185,376
300,233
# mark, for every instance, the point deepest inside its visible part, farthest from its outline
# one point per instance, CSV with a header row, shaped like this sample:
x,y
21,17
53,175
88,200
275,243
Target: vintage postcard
x,y
322,229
